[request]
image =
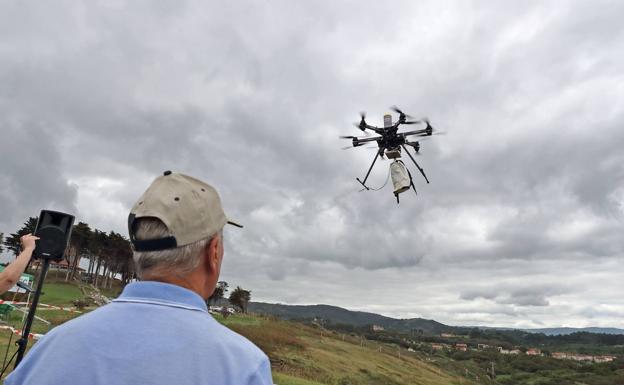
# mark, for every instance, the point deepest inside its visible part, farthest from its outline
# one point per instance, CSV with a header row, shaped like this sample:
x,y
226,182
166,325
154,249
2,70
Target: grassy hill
x,y
300,354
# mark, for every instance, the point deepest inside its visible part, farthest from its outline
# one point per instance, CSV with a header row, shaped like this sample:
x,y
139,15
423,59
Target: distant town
x,y
531,351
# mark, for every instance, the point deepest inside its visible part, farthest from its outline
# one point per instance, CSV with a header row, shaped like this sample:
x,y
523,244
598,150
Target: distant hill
x,y
338,315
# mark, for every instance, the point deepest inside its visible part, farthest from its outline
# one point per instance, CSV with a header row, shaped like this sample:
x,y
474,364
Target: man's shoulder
x,y
235,352
85,323
231,340
110,336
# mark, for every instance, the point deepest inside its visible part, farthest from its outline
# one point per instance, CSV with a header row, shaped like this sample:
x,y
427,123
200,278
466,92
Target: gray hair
x,y
180,260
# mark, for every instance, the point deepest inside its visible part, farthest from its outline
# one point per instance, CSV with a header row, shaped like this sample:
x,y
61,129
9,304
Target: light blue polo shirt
x,y
154,333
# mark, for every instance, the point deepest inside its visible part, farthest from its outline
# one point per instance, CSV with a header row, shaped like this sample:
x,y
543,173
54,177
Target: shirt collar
x,y
162,293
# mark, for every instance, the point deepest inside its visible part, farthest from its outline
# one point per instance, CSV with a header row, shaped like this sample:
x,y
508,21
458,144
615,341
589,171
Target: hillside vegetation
x,y
317,356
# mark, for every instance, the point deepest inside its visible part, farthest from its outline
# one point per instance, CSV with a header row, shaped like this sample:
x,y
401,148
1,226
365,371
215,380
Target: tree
x,y
118,259
219,292
78,246
1,236
240,297
99,245
12,242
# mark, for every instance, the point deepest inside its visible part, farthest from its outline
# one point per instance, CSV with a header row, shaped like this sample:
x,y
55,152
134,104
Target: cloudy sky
x,y
522,224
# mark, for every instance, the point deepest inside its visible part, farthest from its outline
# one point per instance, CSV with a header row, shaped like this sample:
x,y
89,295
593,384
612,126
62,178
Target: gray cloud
x,y
532,295
33,178
527,185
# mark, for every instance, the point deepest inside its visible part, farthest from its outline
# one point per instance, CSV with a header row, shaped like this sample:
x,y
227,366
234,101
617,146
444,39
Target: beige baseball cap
x,y
190,208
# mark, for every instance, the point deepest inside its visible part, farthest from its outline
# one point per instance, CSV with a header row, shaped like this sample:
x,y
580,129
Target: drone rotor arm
x,y
369,139
374,128
415,132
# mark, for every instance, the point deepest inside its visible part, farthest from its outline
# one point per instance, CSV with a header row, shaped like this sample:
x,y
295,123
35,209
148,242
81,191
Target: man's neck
x,y
192,282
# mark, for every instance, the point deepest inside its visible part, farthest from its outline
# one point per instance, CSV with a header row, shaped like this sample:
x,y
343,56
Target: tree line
x,y
110,257
109,254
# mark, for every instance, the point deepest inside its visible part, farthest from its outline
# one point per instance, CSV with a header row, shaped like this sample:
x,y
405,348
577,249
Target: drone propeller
x,y
430,130
402,115
362,125
396,109
347,137
412,122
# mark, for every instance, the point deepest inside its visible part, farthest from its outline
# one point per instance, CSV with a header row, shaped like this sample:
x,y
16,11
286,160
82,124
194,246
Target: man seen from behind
x,y
159,330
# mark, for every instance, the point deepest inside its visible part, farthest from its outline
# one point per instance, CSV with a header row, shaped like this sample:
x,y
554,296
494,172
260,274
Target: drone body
x,y
390,142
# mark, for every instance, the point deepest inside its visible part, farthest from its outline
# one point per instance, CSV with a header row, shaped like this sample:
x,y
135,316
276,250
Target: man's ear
x,y
212,252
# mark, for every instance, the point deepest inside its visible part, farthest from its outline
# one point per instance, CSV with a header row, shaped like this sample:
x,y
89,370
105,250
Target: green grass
x,y
55,317
59,293
239,319
284,379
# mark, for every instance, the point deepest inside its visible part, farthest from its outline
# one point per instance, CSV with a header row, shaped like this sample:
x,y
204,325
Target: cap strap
x,y
149,244
155,244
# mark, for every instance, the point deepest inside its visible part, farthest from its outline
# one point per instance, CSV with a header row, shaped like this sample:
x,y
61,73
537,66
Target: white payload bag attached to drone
x,y
401,178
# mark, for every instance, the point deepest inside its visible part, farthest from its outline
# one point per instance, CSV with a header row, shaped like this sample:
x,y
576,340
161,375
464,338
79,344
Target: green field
x,y
59,293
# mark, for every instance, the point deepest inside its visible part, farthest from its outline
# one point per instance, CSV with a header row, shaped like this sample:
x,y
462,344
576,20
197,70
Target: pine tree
x,y
78,246
219,292
240,298
12,242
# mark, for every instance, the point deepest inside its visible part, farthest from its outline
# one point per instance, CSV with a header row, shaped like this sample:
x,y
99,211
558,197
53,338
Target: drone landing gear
x,y
417,166
363,183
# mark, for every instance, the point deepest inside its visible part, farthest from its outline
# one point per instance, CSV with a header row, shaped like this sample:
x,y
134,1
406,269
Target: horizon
x,y
521,225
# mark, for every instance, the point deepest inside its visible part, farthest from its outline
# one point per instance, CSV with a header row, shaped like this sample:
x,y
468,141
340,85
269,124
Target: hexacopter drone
x,y
390,142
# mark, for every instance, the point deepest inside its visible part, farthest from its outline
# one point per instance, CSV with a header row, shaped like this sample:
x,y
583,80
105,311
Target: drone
x,y
389,143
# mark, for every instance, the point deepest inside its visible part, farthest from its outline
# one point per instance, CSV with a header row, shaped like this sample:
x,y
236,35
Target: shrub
x,y
81,303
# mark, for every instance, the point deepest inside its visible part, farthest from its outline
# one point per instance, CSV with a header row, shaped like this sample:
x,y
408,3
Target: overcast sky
x,y
521,226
